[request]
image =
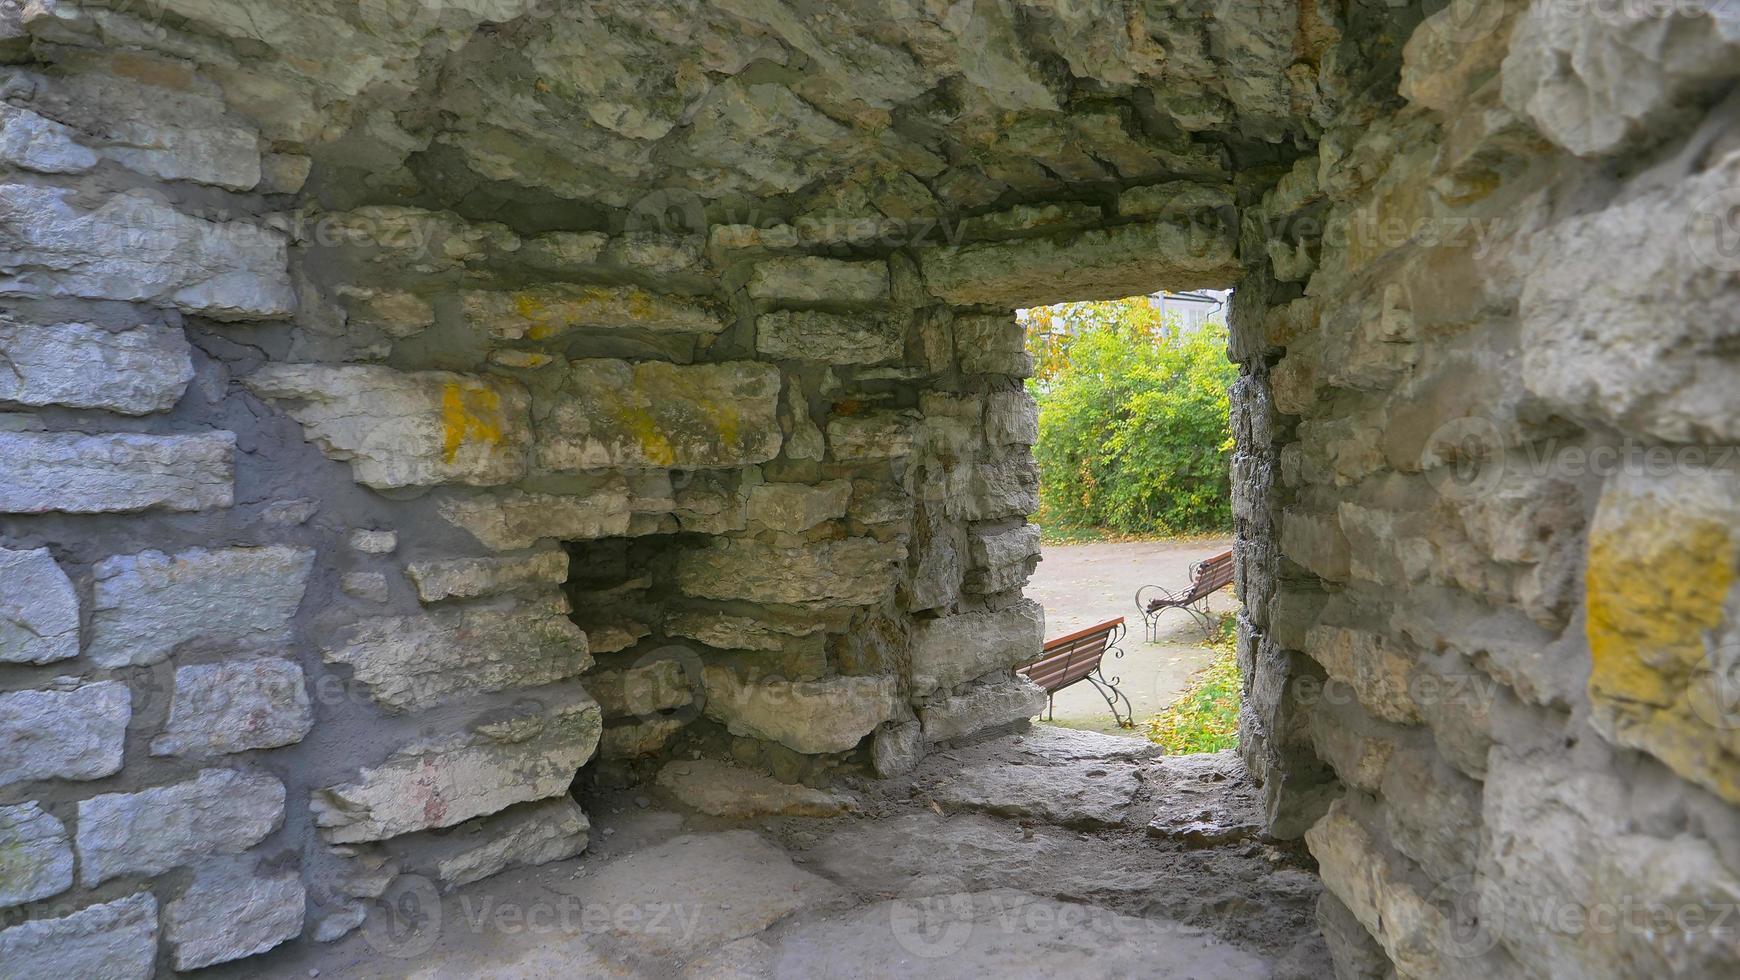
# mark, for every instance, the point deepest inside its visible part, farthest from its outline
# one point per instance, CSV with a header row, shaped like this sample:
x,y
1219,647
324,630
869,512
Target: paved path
x,y
1084,584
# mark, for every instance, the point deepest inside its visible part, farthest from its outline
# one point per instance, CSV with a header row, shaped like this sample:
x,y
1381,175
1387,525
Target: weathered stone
x,y
80,474
73,732
36,859
992,345
797,507
1100,264
722,790
368,586
806,440
399,428
235,706
1089,793
814,279
1011,419
146,606
547,312
1377,889
31,142
994,489
1001,558
996,703
642,690
230,912
138,248
641,738
136,371
525,836
471,578
831,337
528,753
415,662
220,811
814,717
949,650
653,414
115,939
1371,665
512,520
39,611
1316,542
728,632
373,542
878,435
939,549
897,748
845,572
395,312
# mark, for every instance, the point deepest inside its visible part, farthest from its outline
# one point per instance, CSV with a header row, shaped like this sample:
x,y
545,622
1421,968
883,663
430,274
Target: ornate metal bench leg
x,y
1109,690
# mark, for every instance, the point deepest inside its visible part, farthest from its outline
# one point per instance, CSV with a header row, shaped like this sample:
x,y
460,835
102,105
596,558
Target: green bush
x,y
1205,718
1133,430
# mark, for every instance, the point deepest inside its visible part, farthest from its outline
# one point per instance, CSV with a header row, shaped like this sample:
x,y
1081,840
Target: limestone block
x,y
1001,558
939,550
993,489
407,428
875,435
727,632
653,414
528,753
1664,670
1379,891
1379,672
806,440
73,732
220,811
1315,542
833,338
797,507
845,572
147,605
642,690
643,737
1599,84
813,717
897,748
395,312
370,541
235,706
950,650
39,611
1428,811
415,662
80,474
815,279
368,586
31,142
1595,345
1029,218
137,248
723,790
548,312
36,859
113,940
512,520
1011,419
136,371
991,704
525,836
231,911
1100,264
471,578
992,345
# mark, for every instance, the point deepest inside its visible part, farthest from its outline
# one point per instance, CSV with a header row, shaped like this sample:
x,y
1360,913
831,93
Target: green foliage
x,y
1133,430
1205,718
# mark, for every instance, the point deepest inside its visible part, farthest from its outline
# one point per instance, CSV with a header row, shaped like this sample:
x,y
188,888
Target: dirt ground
x,y
1083,584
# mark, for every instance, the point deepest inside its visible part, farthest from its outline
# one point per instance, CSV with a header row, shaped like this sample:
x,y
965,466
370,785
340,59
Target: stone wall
x,y
404,414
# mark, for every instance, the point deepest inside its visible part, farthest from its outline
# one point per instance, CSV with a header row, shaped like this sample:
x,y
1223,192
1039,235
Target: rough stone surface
x,y
846,572
1001,558
997,703
39,611
531,753
136,371
724,790
813,279
114,939
897,748
219,811
79,474
471,578
525,836
513,520
1087,793
31,142
830,715
400,429
640,690
235,706
146,606
797,507
415,662
36,858
74,731
951,649
231,911
1109,264
832,337
552,311
648,414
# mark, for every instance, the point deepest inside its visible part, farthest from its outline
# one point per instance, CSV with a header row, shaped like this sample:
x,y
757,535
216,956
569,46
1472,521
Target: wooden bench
x,y
1206,578
1078,657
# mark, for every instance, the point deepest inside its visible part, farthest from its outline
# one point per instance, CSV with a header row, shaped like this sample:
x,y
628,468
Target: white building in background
x,y
1193,309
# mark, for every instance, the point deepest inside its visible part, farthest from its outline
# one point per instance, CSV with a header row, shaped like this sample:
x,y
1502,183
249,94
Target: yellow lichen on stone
x,y
469,413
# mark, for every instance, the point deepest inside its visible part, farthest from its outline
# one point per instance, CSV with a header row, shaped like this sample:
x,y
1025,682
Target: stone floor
x,y
1081,585
1049,853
